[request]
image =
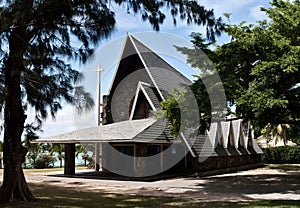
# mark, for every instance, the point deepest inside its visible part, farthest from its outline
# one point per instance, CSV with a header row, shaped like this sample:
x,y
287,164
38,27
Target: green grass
x,y
51,196
46,170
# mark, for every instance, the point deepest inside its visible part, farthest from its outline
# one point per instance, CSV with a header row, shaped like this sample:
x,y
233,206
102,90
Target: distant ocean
x,y
78,160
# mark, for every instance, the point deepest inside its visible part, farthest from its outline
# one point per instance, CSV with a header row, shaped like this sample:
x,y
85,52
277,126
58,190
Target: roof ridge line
x,y
156,54
145,65
119,62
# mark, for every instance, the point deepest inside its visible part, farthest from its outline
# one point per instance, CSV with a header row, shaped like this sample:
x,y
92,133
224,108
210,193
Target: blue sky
x,y
109,50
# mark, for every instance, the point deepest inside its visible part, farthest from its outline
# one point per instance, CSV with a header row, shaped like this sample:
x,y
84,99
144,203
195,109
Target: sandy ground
x,y
257,184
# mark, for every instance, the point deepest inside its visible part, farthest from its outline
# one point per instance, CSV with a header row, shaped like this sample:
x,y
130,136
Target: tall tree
x,y
272,95
207,90
259,67
38,40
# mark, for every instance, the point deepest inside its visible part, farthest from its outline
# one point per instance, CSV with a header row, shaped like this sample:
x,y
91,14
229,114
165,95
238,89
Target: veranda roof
x,y
120,131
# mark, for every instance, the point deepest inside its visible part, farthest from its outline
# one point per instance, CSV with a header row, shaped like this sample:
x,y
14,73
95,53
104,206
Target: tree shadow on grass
x,y
59,197
247,185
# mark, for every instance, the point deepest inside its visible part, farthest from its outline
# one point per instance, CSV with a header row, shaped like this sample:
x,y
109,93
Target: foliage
x,y
282,155
191,11
276,131
38,42
171,111
207,90
34,149
200,56
83,150
59,150
294,134
49,42
266,60
259,67
182,113
44,161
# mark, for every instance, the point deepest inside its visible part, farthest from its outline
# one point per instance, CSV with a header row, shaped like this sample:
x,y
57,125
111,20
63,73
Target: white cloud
x,y
128,21
256,14
67,120
229,6
248,10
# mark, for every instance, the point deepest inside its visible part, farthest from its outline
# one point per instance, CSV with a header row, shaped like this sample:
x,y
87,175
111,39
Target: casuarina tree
x,y
39,39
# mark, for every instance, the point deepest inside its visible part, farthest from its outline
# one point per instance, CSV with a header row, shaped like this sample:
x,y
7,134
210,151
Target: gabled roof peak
x,y
163,76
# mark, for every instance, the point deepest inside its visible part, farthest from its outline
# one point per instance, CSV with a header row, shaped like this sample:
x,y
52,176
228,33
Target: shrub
x,y
282,155
44,161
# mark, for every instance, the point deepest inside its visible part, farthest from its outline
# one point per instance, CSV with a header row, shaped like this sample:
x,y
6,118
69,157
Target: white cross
x,y
99,70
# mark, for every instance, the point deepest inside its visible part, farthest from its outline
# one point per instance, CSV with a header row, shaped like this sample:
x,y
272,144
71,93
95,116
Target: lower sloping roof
x,y
120,131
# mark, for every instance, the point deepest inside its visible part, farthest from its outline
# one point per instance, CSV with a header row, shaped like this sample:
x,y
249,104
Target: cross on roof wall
x,y
99,70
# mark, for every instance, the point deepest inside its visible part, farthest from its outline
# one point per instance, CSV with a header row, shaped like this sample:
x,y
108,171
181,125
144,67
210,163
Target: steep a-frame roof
x,y
165,76
139,64
160,74
223,139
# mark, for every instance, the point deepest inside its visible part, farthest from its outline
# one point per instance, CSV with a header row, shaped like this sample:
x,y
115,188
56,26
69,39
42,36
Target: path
x,y
261,183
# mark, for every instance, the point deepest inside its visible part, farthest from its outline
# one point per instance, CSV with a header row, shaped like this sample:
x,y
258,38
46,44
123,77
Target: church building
x,y
133,142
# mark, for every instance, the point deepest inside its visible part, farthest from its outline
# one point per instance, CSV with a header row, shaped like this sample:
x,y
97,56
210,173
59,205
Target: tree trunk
x,y
14,187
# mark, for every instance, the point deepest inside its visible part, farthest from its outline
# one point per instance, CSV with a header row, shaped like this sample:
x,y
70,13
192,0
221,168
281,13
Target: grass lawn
x,y
45,170
59,197
51,196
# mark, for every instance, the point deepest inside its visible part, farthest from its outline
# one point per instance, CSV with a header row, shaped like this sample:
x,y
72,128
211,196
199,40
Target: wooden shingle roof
x,y
124,131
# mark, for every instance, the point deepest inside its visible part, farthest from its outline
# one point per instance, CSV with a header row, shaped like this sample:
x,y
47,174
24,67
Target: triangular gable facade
x,y
227,135
144,92
225,125
236,124
213,134
141,75
136,56
240,139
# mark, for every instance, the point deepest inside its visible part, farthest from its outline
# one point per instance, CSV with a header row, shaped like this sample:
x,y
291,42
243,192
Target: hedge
x,y
282,155
44,161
